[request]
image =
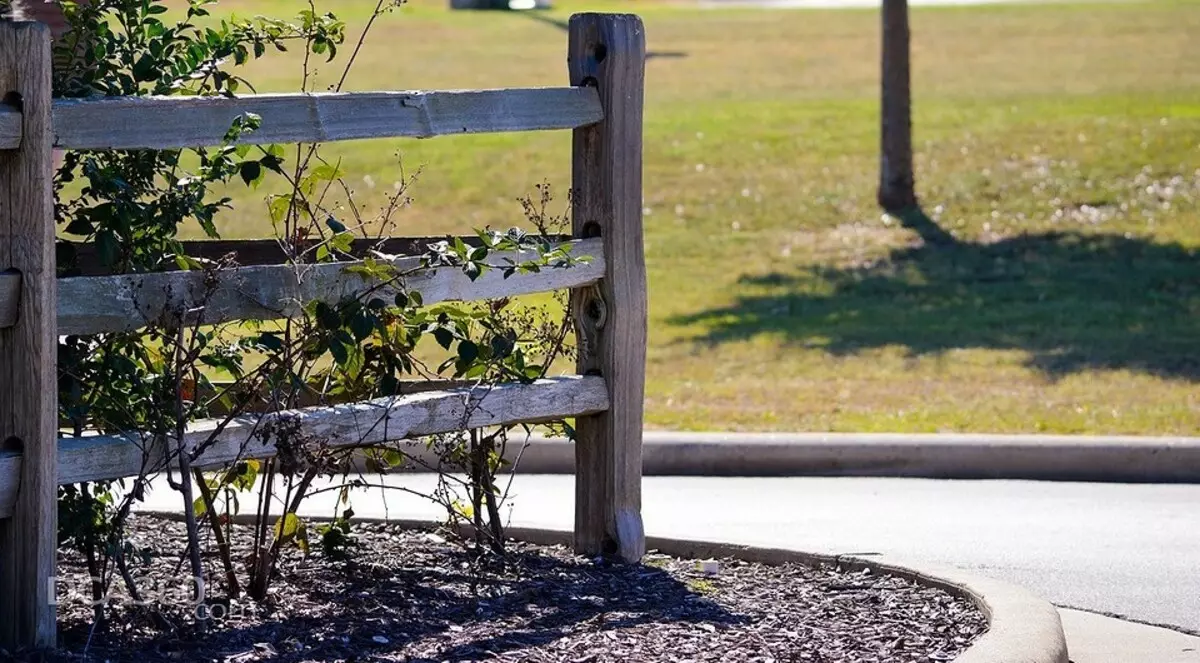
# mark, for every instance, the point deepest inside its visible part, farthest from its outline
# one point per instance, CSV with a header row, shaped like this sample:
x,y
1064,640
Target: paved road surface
x,y
1133,550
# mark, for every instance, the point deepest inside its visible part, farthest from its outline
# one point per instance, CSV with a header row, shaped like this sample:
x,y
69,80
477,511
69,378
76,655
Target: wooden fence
x,y
603,105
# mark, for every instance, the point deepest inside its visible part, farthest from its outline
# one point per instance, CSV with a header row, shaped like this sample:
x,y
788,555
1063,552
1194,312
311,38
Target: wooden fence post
x,y
28,378
608,51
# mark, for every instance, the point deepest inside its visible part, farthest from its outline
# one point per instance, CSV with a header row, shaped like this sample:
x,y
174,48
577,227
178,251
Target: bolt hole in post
x,y
595,312
592,230
607,52
12,98
28,537
593,309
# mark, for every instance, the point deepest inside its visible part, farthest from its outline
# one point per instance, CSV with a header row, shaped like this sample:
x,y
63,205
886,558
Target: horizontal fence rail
x,y
10,128
86,260
367,422
603,107
161,123
99,304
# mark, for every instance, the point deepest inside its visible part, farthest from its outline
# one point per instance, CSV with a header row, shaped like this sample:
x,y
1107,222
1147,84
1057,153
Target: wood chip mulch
x,y
404,595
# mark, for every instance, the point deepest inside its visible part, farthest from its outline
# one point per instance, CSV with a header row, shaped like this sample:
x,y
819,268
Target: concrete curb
x,y
1022,628
1125,459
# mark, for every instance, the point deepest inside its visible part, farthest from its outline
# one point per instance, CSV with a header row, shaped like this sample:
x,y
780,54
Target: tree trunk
x,y
896,188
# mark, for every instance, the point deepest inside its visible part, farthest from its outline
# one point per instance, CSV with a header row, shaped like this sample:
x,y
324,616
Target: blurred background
x,y
1058,145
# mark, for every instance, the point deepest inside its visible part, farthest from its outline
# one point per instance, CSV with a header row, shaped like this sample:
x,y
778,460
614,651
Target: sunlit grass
x,y
779,297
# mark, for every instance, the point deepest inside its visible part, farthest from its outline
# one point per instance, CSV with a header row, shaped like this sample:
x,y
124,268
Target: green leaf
x,y
278,208
460,248
327,173
251,172
80,226
468,351
245,474
187,263
502,346
362,325
355,359
327,317
272,163
335,225
393,458
145,68
475,371
107,247
290,528
223,362
343,241
372,269
270,341
340,352
444,337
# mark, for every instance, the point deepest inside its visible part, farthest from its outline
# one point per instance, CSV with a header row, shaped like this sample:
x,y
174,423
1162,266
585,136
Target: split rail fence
x,y
602,105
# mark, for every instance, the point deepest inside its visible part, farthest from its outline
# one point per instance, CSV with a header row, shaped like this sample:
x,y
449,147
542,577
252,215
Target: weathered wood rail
x,y
163,123
97,304
602,105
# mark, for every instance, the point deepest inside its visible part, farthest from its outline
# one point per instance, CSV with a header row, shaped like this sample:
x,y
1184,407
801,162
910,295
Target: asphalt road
x,y
1129,550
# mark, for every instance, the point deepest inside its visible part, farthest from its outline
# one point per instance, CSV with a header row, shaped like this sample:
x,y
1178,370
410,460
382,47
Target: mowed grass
x,y
1059,143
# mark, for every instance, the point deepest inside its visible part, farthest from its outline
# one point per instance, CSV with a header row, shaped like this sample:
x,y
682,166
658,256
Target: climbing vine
x,y
126,211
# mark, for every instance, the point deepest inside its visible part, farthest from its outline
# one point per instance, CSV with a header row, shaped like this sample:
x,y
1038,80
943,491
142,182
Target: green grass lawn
x,y
1059,143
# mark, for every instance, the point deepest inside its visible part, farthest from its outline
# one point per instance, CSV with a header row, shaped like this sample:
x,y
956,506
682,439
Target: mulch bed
x,y
405,595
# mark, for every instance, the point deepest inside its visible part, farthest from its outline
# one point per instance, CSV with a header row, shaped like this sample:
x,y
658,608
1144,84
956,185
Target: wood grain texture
x,y
28,349
10,128
607,51
368,422
95,304
10,298
83,259
180,122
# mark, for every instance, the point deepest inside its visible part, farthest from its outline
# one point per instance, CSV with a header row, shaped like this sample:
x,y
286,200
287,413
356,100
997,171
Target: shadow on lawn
x,y
1073,301
565,26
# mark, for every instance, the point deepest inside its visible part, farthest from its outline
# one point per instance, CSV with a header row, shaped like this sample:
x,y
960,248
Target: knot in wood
x,y
596,310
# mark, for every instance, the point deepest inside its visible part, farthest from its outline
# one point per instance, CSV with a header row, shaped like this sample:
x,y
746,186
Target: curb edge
x,y
1022,628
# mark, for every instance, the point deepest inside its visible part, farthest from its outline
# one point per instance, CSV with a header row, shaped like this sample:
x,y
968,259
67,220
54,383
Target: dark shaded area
x,y
560,23
410,594
1074,301
399,594
915,219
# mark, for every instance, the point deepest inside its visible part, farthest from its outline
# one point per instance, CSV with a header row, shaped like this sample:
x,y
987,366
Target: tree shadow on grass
x,y
565,26
1073,301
